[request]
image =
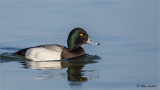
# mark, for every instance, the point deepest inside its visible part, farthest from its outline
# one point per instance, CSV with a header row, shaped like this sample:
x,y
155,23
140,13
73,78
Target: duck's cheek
x,y
84,40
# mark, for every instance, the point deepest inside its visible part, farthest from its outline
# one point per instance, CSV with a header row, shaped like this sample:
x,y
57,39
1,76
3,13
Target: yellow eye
x,y
81,34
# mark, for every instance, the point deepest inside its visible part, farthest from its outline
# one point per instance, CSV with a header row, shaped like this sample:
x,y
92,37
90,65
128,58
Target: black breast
x,y
72,53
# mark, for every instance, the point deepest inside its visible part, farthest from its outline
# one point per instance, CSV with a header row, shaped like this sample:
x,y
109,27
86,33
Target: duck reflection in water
x,y
75,72
75,67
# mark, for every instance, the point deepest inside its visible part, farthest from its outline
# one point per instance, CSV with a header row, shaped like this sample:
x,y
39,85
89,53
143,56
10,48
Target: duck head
x,y
78,37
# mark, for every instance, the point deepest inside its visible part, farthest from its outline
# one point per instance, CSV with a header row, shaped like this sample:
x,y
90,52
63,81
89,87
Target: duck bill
x,y
89,41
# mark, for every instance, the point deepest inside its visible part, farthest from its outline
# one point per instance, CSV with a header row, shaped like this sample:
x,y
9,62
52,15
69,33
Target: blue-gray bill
x,y
89,41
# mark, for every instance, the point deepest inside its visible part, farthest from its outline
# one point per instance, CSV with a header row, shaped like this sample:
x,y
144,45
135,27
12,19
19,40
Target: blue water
x,y
127,59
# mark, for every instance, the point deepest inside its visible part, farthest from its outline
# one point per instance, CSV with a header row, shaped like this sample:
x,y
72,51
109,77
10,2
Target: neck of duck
x,y
74,48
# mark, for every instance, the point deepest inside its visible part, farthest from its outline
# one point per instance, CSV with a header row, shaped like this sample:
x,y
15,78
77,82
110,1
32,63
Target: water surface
x,y
127,59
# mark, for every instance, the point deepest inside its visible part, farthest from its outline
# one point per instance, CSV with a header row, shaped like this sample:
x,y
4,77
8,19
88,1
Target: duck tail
x,y
21,52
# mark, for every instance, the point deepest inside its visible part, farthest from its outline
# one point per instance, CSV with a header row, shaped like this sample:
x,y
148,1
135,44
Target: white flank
x,y
42,54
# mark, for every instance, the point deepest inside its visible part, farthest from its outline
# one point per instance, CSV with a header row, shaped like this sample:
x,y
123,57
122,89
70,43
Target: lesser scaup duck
x,y
76,38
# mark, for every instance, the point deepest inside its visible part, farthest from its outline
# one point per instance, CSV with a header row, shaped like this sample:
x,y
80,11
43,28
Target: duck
x,y
76,38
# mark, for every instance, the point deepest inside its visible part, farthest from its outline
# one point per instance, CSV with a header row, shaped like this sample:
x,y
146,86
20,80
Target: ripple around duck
x,y
8,57
85,59
75,72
